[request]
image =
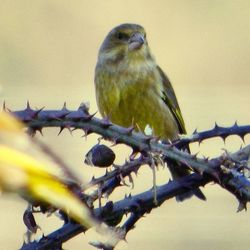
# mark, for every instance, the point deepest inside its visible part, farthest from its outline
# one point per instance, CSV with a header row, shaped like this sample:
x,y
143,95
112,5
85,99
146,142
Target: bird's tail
x,y
177,171
197,192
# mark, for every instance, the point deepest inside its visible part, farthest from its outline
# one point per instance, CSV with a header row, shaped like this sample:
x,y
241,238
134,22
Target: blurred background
x,y
48,51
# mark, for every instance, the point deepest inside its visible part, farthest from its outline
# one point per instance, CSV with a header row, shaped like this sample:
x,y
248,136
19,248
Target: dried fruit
x,y
100,156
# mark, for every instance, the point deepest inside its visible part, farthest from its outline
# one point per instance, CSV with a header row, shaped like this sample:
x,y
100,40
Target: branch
x,y
144,202
217,131
81,119
225,170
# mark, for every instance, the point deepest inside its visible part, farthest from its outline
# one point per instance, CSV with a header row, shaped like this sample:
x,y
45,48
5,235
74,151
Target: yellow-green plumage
x,y
131,89
137,101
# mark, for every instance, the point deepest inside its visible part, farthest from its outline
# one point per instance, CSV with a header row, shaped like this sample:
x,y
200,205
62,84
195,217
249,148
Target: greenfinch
x,y
131,89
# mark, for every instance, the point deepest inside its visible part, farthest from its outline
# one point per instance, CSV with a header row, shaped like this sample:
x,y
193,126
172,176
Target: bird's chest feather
x,y
133,96
122,87
138,99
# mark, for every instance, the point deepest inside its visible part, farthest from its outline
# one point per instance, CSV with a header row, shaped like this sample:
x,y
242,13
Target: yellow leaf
x,y
10,123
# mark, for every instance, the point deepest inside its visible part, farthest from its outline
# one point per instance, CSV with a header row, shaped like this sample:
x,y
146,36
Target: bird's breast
x,y
131,95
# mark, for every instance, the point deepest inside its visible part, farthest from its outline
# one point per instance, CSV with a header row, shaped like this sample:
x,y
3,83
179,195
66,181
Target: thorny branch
x,y
138,204
226,170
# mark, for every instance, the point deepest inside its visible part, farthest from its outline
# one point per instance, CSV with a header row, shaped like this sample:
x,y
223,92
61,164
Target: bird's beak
x,y
136,41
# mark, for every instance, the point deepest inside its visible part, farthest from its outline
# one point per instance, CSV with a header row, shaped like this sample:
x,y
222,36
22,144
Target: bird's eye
x,y
122,36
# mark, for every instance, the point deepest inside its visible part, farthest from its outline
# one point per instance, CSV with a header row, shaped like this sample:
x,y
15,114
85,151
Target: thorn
x,y
125,239
69,129
242,206
86,132
136,171
129,130
195,132
88,117
5,108
106,172
64,108
242,136
123,180
216,127
39,129
117,141
31,132
36,112
115,166
215,175
206,159
28,106
61,115
84,107
73,129
106,123
235,124
133,154
239,191
224,137
131,180
61,129
168,142
194,156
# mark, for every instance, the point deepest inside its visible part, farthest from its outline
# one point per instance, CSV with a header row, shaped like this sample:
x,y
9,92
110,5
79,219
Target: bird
x,y
131,89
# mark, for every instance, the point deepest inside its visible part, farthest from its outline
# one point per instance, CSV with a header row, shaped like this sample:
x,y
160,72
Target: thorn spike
x,y
60,131
64,106
195,132
28,106
88,117
4,106
235,124
36,113
216,126
130,130
39,129
106,123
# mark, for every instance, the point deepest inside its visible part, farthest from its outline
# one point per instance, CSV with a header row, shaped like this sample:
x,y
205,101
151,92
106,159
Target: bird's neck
x,y
133,63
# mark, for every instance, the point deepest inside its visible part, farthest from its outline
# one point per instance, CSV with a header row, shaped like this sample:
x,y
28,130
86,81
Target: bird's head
x,y
126,41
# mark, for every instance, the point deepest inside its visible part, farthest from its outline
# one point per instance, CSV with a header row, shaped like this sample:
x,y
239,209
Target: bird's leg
x,y
153,167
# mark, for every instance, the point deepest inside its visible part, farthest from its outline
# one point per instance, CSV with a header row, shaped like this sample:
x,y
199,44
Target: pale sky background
x,y
48,51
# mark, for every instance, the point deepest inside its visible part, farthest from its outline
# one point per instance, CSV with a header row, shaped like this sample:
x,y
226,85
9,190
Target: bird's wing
x,y
171,101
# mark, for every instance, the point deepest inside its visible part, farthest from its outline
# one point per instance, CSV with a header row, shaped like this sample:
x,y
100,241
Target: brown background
x,y
48,52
